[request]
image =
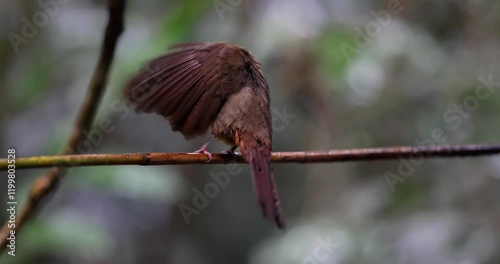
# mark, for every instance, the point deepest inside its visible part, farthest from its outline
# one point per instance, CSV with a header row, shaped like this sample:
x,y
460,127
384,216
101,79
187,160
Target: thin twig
x,y
366,154
47,183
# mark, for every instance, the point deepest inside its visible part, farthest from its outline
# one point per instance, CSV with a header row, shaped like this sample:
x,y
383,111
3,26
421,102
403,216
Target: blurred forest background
x,y
343,74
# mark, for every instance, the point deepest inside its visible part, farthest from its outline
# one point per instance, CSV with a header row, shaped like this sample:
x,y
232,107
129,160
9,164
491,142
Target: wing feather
x,y
184,86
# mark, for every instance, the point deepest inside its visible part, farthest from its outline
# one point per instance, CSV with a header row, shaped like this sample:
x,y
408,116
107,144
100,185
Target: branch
x,y
47,183
366,154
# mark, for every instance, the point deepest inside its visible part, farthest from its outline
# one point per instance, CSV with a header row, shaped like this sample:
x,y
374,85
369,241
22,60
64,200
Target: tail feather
x,y
263,181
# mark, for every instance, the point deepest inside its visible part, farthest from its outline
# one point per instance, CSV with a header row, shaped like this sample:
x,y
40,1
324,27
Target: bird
x,y
218,87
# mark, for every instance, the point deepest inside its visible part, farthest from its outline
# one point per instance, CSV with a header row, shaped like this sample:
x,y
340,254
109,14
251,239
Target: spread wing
x,y
189,85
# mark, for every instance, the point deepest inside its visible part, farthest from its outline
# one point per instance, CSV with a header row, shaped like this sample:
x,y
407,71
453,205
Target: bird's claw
x,y
205,151
231,151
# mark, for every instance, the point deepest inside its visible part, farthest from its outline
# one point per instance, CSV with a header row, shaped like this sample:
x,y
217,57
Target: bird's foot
x,y
231,151
204,150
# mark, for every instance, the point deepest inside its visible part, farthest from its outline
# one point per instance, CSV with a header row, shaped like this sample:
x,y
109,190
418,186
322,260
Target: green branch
x,y
366,154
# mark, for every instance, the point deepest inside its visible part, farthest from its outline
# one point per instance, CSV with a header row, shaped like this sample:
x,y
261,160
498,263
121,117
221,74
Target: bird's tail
x,y
263,179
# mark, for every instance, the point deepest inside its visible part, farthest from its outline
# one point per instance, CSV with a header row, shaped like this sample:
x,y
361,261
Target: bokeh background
x,y
417,72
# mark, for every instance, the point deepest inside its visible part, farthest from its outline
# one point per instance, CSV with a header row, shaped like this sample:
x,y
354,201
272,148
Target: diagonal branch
x,y
366,154
47,183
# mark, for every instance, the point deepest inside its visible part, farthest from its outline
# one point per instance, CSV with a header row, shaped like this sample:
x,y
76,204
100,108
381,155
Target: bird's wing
x,y
188,86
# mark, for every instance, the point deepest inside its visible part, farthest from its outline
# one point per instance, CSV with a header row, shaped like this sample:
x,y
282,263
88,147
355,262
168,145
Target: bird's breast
x,y
245,112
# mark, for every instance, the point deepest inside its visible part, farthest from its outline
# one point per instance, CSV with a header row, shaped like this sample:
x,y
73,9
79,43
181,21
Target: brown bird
x,y
218,86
